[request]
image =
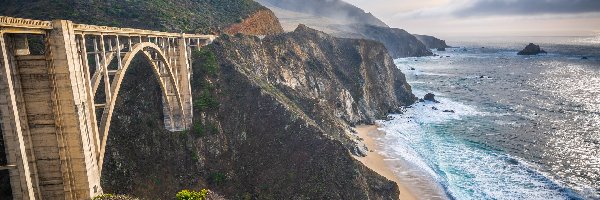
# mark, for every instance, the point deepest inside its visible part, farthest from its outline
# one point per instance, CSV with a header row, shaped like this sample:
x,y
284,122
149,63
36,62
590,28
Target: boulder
x,y
441,49
449,111
584,58
430,97
531,49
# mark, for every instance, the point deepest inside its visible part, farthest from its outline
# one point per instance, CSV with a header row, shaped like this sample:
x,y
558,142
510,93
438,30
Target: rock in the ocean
x,y
584,58
531,49
412,68
430,97
434,108
441,49
449,111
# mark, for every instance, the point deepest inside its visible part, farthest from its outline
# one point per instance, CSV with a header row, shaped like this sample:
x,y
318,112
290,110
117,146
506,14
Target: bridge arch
x,y
168,85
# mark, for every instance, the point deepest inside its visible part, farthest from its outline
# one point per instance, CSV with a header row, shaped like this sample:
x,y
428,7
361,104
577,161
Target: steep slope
x,y
432,42
337,10
272,121
325,16
262,22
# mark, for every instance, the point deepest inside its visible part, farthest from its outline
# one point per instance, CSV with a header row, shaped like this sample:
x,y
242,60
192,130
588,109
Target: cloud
x,y
528,7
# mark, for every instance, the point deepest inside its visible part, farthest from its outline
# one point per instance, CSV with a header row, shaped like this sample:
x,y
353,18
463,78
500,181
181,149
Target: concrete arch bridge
x,y
57,100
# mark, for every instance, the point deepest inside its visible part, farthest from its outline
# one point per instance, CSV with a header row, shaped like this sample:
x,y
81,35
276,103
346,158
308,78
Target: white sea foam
x,y
465,170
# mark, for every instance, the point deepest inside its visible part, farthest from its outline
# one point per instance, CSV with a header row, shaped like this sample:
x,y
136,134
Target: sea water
x,y
514,127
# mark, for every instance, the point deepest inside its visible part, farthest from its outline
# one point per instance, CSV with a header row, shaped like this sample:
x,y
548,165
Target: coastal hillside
x,y
397,41
189,16
272,120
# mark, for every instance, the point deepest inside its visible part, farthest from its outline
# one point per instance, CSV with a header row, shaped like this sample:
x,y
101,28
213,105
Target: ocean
x,y
514,127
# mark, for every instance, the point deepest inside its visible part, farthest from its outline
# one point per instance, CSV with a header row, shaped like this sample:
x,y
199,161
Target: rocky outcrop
x,y
263,22
398,42
430,97
280,128
432,42
531,49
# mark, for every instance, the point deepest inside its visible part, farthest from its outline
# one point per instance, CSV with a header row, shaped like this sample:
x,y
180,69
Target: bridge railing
x,y
20,25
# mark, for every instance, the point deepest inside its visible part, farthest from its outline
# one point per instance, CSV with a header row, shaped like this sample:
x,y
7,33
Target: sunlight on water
x,y
523,127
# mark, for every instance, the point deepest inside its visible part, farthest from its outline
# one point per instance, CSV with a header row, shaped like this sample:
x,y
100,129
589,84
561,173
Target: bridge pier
x,y
48,95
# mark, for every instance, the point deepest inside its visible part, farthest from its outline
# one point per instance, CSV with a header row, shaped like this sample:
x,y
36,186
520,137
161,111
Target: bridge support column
x,y
185,75
16,151
68,92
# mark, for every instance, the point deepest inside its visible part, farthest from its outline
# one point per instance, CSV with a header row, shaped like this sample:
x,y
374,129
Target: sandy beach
x,y
376,162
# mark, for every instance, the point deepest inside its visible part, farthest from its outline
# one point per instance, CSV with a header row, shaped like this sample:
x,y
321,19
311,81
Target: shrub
x,y
206,101
199,129
206,60
217,178
113,197
191,195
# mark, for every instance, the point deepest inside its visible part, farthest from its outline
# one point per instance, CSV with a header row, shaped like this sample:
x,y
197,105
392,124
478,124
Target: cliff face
x,y
278,127
398,42
262,22
431,42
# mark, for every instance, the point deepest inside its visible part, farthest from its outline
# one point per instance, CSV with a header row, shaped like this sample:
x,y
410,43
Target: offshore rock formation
x,y
280,129
262,22
531,49
432,42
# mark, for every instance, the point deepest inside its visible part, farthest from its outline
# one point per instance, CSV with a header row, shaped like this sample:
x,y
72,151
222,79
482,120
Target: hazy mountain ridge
x,y
315,14
333,9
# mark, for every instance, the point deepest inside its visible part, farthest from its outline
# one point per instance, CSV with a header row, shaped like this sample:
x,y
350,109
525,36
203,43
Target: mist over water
x,y
523,127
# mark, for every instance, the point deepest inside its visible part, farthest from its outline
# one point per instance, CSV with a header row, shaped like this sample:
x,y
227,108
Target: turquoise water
x,y
523,127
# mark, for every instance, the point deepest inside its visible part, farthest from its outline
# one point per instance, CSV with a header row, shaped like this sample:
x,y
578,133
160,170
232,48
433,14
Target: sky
x,y
453,18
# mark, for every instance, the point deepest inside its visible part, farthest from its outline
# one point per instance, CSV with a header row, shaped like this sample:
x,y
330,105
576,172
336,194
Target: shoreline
x,y
376,161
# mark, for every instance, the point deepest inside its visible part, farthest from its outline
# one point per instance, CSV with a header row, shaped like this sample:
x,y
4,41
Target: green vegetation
x,y
198,129
113,197
206,101
217,178
192,195
201,129
206,61
199,16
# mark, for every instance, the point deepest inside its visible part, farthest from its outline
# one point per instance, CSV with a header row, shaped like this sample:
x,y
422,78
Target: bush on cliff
x,y
192,195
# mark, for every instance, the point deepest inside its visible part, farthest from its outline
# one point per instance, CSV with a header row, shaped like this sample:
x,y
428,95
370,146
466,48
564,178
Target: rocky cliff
x,y
262,22
431,42
272,121
398,42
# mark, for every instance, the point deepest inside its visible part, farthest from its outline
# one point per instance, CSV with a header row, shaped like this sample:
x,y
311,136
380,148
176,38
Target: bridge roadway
x,y
50,98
